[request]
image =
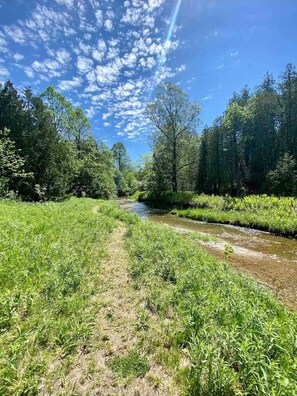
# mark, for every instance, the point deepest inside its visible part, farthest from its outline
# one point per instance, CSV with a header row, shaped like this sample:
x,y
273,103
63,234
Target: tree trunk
x,y
174,168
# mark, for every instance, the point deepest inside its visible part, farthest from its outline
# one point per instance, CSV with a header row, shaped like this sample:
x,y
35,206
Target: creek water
x,y
270,259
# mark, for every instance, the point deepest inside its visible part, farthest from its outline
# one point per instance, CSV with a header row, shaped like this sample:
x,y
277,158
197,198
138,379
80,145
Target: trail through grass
x,y
96,301
117,361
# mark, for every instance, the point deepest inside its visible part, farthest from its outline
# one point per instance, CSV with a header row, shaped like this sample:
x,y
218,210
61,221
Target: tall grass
x,y
278,215
239,339
50,268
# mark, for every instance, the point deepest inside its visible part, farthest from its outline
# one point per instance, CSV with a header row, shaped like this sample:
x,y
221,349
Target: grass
x,y
277,215
129,366
235,337
50,268
216,331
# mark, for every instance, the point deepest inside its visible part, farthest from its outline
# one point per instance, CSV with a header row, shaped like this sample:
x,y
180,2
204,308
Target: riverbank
x,y
272,214
95,300
268,258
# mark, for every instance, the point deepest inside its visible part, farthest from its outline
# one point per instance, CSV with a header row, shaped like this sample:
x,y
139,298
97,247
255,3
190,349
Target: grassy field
x,y
277,215
223,333
214,331
50,256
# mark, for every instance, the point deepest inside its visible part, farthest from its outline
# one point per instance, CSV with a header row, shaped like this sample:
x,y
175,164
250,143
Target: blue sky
x,y
108,55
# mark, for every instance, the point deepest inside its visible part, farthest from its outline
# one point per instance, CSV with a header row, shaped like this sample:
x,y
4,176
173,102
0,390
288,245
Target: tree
x,y
283,180
50,158
12,170
12,112
288,118
81,129
62,112
175,119
120,156
95,177
145,172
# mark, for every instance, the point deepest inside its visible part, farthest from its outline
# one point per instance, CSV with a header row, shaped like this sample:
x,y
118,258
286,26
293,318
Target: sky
x,y
108,56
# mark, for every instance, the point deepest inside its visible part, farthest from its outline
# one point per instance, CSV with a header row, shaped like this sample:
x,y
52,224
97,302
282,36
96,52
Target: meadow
x,y
50,268
214,331
263,212
219,332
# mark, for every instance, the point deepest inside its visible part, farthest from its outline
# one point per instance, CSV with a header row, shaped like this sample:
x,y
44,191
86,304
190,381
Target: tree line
x,y
250,149
48,151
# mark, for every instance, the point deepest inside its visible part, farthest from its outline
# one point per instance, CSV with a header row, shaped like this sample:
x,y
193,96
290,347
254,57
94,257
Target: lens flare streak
x,y
166,46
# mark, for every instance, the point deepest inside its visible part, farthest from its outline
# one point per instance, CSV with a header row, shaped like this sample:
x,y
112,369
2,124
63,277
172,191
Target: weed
x,y
269,213
131,365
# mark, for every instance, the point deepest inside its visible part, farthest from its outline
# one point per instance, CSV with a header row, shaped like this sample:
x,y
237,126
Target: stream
x,y
270,259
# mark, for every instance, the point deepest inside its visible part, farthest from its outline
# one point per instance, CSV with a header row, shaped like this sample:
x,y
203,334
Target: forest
x,y
48,151
250,149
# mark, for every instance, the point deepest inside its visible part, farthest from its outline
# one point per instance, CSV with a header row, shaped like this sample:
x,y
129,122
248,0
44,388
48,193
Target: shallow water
x,y
267,257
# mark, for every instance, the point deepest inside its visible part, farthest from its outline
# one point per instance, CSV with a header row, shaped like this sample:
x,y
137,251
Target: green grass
x,y
277,215
50,269
129,366
217,331
238,339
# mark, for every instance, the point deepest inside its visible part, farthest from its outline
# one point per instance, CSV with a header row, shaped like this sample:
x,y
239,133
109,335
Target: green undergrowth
x,y
130,365
224,334
277,215
50,268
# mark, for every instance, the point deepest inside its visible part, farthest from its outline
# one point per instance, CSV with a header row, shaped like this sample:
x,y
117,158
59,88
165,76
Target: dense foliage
x,y
126,180
47,149
175,140
278,215
252,148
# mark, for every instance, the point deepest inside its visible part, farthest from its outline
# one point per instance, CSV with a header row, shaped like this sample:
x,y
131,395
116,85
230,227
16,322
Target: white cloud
x,y
70,84
99,18
63,56
18,57
4,72
109,73
67,3
91,112
84,64
108,25
29,72
107,124
109,54
207,97
181,68
106,115
234,54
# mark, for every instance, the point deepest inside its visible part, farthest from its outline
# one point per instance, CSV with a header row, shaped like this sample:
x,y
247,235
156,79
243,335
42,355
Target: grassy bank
x,y
277,215
216,332
222,333
50,268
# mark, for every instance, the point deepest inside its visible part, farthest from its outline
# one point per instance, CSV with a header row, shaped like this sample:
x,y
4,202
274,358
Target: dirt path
x,y
117,336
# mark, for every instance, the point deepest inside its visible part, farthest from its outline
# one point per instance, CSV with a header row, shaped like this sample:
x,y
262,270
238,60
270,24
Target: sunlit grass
x,y
217,331
239,339
278,215
49,274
